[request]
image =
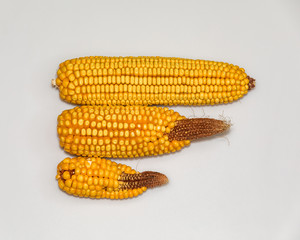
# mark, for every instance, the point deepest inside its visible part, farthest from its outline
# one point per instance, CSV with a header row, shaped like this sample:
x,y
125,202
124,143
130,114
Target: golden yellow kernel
x,y
80,178
66,175
65,166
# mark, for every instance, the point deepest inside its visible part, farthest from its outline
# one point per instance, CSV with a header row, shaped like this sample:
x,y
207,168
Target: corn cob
x,y
101,178
150,81
130,131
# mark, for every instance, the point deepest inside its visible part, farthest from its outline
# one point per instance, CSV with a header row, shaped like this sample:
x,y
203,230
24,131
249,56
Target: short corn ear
x,y
101,178
130,131
150,81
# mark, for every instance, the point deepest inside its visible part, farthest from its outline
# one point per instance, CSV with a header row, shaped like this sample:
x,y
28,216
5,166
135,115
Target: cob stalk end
x,y
53,83
251,83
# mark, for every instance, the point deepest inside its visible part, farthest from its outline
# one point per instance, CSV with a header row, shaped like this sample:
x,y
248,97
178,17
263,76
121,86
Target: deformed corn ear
x,y
130,131
150,81
101,178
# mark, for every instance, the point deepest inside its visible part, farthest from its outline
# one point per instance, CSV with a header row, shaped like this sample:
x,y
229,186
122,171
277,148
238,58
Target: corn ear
x,y
130,131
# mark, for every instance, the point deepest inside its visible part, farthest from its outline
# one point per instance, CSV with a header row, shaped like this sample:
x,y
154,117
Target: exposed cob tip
x,y
251,83
195,128
146,179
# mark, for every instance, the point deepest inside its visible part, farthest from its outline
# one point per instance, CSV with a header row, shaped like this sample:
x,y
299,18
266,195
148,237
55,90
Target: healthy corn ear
x,y
130,131
150,81
101,178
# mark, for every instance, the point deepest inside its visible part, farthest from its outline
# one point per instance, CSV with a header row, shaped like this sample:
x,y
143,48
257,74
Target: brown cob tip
x,y
146,179
196,128
251,83
154,179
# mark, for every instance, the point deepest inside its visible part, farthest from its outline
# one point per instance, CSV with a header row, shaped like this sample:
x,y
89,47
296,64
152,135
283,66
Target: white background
x,y
244,185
